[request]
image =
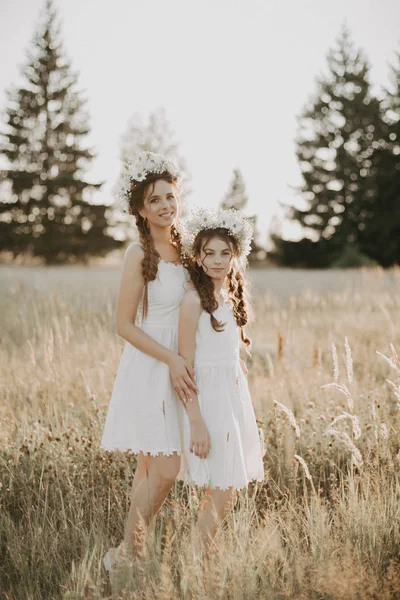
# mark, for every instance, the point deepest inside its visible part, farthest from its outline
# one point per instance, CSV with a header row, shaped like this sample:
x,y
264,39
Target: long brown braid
x,y
151,256
205,286
237,293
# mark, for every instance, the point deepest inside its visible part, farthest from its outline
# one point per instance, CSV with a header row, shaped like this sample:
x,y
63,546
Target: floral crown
x,y
208,218
137,170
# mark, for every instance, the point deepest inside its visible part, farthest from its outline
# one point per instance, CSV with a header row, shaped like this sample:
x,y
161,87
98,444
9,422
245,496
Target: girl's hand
x,y
182,376
200,442
244,368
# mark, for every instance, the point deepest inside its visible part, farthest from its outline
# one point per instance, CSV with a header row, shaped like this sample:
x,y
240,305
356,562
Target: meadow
x,y
325,382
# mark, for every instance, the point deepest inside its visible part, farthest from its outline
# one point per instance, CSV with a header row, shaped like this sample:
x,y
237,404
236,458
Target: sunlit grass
x,y
64,501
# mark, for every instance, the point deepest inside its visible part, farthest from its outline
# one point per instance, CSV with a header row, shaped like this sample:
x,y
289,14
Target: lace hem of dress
x,y
148,452
190,481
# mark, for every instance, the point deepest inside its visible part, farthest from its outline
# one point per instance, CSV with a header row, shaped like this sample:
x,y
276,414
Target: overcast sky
x,y
231,74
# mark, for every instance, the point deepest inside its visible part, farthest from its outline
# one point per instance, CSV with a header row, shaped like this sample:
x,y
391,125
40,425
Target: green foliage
x,y
380,238
304,253
236,198
48,212
348,151
339,131
351,257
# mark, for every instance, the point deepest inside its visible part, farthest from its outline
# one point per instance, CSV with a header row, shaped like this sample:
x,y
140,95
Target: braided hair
x,y
205,286
151,256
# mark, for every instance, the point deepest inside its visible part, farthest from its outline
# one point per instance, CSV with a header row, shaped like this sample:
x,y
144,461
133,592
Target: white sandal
x,y
117,563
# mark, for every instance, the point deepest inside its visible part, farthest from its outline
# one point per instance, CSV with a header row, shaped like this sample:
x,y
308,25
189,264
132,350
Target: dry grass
x,y
332,532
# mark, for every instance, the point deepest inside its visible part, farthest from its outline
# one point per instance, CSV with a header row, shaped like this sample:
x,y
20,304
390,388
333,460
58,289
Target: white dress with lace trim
x,y
143,414
235,456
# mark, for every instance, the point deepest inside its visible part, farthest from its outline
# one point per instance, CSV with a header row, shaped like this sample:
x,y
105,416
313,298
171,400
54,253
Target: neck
x,y
218,285
162,235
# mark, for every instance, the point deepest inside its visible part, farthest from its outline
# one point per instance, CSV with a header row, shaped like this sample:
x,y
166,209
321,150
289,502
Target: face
x,y
216,258
160,206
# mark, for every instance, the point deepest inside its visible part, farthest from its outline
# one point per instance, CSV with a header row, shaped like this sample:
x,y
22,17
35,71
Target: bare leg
x,y
141,473
150,491
142,469
216,504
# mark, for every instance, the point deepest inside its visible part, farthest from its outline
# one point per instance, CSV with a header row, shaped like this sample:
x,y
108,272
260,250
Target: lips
x,y
167,214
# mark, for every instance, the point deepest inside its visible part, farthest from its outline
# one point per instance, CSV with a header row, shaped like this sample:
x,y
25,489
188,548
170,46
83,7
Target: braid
x,y
149,262
237,294
151,256
176,240
205,289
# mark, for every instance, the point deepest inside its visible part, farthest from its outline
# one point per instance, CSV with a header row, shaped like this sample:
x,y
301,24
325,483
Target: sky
x,y
232,76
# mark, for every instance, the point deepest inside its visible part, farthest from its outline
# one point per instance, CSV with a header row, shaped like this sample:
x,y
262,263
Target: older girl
x,y
143,411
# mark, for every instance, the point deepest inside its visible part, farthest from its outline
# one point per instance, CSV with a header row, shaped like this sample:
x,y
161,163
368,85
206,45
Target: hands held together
x,y
183,381
182,376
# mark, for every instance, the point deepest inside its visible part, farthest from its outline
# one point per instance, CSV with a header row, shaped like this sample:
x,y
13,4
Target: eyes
x,y
157,199
225,253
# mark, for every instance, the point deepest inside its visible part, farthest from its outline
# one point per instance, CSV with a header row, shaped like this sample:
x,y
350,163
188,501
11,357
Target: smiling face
x,y
160,206
215,257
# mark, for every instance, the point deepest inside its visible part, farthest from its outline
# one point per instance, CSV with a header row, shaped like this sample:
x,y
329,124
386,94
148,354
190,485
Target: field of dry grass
x,y
325,524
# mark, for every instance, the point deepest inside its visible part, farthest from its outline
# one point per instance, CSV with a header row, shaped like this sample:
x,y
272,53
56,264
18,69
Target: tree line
x,y
348,148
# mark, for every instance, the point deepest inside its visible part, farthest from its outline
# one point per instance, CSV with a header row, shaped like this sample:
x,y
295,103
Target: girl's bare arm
x,y
189,315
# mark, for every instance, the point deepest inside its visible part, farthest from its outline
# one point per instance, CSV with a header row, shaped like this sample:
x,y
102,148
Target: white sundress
x,y
236,451
143,413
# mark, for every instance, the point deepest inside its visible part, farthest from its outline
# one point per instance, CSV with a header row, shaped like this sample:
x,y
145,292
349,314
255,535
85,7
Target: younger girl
x,y
222,448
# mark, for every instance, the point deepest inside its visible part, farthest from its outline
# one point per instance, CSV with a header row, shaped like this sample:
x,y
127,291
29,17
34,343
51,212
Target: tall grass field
x,y
325,382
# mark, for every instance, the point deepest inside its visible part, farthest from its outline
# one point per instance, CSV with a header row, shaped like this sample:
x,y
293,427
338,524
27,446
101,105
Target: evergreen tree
x,y
381,236
304,253
48,213
156,135
339,131
236,197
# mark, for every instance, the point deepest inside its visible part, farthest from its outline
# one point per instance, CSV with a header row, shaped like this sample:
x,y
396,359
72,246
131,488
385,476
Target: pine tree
x,y
340,129
381,236
48,213
156,135
236,197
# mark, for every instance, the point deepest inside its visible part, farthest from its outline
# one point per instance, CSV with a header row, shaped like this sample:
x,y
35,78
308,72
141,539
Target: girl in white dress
x,y
222,445
143,411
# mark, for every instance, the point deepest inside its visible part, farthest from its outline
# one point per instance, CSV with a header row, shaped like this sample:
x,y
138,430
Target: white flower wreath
x,y
208,218
138,169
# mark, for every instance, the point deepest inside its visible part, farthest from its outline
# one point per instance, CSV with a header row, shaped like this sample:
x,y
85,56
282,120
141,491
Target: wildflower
x,y
345,391
349,361
335,363
396,389
384,431
355,453
290,416
390,361
304,465
354,421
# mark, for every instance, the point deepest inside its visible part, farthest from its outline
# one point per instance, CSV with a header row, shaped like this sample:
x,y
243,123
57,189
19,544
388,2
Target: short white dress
x,y
236,452
143,414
